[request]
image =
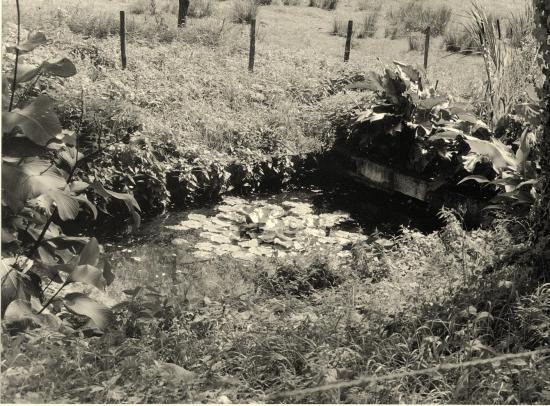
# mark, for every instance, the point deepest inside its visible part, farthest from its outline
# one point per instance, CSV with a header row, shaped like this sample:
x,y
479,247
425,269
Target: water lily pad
x,y
284,243
247,256
249,243
180,241
262,250
203,254
197,217
205,246
234,201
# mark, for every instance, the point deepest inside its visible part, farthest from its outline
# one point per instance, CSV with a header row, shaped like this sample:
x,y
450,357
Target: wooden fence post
x,y
498,29
427,48
182,12
252,45
348,41
123,39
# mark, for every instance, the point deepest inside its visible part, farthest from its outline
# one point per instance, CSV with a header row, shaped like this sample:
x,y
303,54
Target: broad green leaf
x,y
525,142
67,205
108,274
87,274
106,194
477,178
29,179
37,121
51,271
26,72
20,311
127,198
84,199
372,82
410,71
12,286
90,253
499,154
81,304
34,40
62,68
7,236
78,186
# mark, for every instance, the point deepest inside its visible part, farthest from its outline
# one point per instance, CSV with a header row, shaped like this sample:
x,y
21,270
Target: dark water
x,y
370,210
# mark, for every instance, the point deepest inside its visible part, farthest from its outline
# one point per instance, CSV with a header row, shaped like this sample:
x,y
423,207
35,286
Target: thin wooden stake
x,y
348,41
498,29
427,48
252,45
123,39
182,12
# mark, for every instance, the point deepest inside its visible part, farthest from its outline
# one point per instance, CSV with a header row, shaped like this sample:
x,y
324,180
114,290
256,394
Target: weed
x,y
364,28
369,22
415,41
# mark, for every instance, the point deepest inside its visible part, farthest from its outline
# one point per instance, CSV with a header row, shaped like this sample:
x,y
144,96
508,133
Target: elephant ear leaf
x,y
63,68
12,286
35,39
67,205
38,122
81,304
29,179
90,253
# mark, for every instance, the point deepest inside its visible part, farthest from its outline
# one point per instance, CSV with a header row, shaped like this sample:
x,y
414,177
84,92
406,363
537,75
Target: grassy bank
x,y
225,330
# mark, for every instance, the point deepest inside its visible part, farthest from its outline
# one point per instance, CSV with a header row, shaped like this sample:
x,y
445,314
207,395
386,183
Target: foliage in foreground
x,y
40,191
223,330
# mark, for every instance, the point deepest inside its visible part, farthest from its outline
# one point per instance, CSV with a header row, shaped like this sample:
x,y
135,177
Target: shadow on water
x,y
370,210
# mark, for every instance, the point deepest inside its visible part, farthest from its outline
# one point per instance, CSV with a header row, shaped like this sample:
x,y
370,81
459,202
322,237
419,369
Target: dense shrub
x,y
415,16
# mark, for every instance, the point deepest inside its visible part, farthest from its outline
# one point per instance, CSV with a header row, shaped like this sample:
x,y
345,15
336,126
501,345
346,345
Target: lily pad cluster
x,y
248,229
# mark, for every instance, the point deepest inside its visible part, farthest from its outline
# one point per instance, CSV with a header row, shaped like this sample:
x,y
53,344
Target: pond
x,y
325,218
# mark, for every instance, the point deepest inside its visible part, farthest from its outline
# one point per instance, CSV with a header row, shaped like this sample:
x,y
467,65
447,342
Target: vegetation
x,y
295,301
415,16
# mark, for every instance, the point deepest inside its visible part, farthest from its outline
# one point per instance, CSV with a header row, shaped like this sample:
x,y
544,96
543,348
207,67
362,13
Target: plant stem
x,y
16,55
53,297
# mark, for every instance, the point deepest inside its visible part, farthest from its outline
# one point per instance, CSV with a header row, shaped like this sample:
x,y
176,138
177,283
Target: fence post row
x,y
348,41
252,45
427,47
182,12
123,39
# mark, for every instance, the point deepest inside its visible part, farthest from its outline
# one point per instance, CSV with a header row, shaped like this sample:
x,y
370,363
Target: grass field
x,y
224,330
192,86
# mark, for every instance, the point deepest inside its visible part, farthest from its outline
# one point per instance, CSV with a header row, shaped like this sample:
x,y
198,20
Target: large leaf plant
x,y
40,191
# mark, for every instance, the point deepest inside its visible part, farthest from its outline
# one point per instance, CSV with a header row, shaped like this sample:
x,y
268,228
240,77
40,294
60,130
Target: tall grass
x,y
415,16
510,70
365,27
324,4
243,11
201,8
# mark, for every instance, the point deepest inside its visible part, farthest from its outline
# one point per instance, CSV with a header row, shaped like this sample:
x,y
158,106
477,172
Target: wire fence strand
x,y
366,379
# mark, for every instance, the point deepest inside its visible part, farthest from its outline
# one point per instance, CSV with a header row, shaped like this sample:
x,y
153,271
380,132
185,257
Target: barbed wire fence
x,y
369,379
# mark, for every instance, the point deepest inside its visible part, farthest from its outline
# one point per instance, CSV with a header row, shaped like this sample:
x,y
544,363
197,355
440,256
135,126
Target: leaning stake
x,y
252,45
348,41
427,48
123,39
